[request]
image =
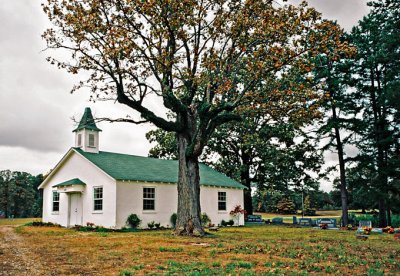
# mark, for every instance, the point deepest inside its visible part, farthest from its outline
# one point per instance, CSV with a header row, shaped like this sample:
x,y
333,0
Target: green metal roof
x,y
139,168
87,121
75,181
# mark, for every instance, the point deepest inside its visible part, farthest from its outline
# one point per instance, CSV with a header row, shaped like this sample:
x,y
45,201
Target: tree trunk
x,y
188,215
378,131
342,169
246,181
389,215
248,202
382,213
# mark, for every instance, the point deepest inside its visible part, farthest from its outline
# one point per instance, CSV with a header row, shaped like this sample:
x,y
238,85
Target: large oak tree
x,y
204,59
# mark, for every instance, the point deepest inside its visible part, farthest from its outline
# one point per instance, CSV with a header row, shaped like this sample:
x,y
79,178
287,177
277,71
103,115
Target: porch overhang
x,y
71,186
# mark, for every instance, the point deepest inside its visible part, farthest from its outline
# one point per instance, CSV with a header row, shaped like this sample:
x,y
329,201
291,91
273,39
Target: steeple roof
x,y
87,121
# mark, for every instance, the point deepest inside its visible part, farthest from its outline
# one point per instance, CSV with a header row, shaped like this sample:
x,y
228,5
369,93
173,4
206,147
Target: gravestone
x,y
277,220
331,222
377,230
254,219
294,220
306,222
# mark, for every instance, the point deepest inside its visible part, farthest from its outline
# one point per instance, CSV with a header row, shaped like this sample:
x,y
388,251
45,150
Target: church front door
x,y
75,209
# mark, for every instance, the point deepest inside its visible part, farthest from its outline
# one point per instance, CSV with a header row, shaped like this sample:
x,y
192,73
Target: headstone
x,y
307,222
277,220
377,230
331,222
294,220
254,219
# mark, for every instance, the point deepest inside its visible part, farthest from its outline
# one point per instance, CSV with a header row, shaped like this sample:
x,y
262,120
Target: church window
x,y
97,198
91,140
149,197
56,201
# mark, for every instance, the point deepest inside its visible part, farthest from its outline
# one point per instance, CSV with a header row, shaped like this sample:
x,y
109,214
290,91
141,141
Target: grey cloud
x,y
346,12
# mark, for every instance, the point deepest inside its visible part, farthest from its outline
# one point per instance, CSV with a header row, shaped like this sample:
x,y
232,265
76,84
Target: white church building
x,y
92,186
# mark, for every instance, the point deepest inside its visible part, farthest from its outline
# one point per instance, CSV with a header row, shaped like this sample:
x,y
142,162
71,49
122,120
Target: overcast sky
x,y
35,104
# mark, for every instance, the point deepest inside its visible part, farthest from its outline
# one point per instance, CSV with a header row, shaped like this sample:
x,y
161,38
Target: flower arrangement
x,y
388,229
367,230
323,226
349,227
236,212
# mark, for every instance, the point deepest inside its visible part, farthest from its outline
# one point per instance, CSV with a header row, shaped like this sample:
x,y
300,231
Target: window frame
x,y
98,199
222,200
53,201
153,199
79,139
89,140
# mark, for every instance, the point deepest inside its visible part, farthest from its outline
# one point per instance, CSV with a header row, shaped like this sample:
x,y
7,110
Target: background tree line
x,y
19,196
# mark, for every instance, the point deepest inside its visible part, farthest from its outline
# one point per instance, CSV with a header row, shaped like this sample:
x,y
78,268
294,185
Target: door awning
x,y
71,186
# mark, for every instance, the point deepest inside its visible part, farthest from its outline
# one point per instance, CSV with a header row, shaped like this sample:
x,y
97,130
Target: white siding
x,y
130,201
85,140
209,203
76,166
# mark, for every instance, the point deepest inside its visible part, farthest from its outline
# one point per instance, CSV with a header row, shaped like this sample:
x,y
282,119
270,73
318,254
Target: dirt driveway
x,y
15,256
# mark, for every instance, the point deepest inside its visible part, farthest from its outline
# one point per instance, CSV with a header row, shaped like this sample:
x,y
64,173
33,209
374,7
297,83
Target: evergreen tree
x,y
376,76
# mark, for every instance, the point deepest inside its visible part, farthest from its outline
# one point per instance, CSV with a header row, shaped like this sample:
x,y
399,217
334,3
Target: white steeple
x,y
87,133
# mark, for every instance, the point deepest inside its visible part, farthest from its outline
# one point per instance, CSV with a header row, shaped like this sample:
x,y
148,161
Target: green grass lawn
x,y
251,250
18,221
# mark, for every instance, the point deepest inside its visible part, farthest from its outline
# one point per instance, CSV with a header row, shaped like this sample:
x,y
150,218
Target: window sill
x,y
222,212
55,213
149,212
97,212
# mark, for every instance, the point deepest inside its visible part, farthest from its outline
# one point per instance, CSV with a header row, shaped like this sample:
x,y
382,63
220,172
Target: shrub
x,y
157,225
205,220
395,220
230,222
151,224
40,223
133,220
173,218
224,223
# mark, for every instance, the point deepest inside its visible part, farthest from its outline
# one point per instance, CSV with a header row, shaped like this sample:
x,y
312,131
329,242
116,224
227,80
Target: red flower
x,y
237,210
